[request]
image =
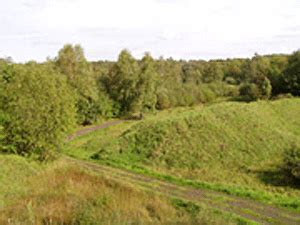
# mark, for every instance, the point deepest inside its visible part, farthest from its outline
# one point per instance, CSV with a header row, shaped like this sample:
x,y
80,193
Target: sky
x,y
181,29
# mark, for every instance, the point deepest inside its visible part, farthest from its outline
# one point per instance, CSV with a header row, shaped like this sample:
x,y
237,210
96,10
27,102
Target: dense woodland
x,y
40,103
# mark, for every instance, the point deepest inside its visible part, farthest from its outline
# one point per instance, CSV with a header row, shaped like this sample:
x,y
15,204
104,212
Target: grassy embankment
x,y
231,147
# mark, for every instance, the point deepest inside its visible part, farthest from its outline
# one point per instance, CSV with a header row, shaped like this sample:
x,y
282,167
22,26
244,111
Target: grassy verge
x,y
60,193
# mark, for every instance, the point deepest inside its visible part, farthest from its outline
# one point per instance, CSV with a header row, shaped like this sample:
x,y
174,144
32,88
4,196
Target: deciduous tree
x,y
40,109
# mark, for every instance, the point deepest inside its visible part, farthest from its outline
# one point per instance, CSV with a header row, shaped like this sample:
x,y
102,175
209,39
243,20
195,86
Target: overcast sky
x,y
188,29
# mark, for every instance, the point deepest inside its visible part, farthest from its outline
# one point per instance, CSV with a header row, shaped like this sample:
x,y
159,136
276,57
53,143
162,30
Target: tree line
x,y
41,102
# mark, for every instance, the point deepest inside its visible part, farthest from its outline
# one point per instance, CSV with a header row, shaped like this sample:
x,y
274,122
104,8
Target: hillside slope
x,y
227,143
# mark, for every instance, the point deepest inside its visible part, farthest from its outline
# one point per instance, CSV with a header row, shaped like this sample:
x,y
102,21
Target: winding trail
x,y
252,210
93,128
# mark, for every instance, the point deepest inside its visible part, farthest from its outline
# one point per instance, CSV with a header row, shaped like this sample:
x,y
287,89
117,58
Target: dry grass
x,y
64,194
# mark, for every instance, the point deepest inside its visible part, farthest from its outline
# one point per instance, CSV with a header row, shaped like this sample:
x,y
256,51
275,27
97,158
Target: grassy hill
x,y
230,144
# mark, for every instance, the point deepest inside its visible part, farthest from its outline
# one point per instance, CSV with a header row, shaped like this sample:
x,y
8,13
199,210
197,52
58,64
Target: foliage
x,y
292,74
122,81
89,110
4,147
265,88
291,165
257,85
40,110
191,74
249,91
147,85
213,72
91,101
261,89
107,89
278,64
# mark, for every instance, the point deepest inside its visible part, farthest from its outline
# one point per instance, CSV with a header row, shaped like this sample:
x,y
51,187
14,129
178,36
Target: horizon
x,y
140,57
187,30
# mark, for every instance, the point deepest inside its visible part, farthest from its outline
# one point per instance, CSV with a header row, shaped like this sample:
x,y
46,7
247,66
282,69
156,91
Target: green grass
x,y
14,172
231,147
61,193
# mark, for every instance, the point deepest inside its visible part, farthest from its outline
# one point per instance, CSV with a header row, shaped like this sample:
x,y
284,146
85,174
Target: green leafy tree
x,y
40,110
72,63
278,64
233,71
213,72
170,83
257,86
122,81
6,75
191,74
292,74
254,91
146,87
259,66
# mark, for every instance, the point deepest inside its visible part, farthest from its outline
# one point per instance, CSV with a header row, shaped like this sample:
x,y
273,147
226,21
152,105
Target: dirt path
x,y
90,129
249,209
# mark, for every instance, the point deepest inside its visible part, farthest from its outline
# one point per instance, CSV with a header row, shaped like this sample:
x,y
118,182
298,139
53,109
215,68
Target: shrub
x,y
163,101
291,164
249,91
208,95
260,89
90,111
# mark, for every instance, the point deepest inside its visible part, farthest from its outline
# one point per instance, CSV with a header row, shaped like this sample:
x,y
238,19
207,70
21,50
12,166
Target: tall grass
x,y
63,194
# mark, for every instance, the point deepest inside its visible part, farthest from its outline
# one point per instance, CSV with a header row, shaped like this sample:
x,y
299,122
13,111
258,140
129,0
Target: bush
x,y
163,101
261,88
90,111
40,110
292,74
291,165
208,95
249,91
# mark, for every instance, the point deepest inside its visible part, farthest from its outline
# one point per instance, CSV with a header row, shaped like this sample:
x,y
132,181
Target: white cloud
x,y
34,29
